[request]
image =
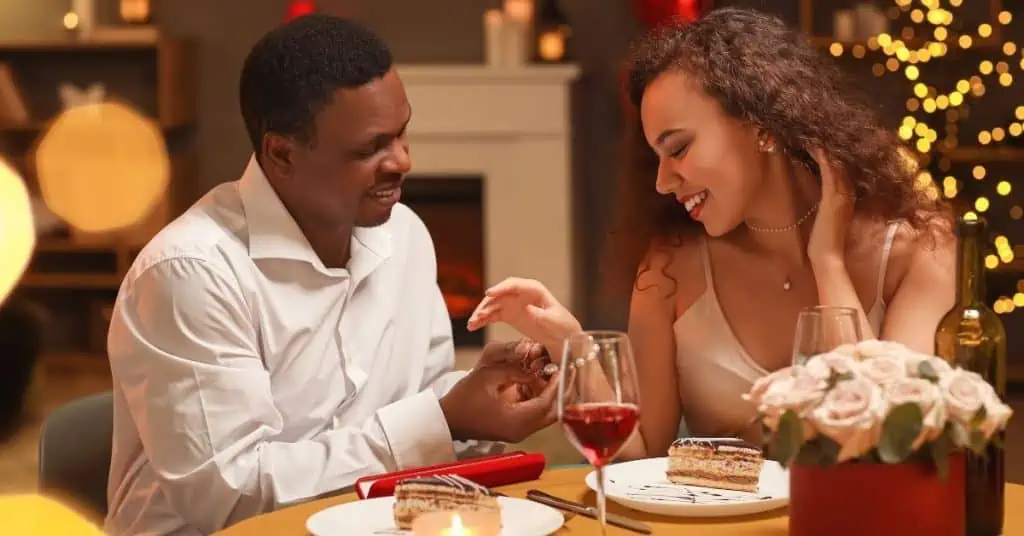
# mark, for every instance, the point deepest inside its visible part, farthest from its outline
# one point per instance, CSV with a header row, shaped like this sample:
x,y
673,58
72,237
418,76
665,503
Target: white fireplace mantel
x,y
512,127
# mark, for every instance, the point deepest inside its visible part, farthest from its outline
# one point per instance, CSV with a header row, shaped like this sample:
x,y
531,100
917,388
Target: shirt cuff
x,y
417,431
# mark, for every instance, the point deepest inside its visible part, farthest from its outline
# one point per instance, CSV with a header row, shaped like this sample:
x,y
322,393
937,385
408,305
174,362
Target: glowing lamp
x,y
42,516
17,232
102,166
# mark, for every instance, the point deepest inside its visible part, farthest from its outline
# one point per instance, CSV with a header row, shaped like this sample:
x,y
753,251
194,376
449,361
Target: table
x,y
568,484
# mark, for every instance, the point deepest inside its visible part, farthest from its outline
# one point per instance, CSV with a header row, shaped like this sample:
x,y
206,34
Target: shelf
x,y
38,67
74,45
36,127
71,281
824,41
985,154
61,245
1014,267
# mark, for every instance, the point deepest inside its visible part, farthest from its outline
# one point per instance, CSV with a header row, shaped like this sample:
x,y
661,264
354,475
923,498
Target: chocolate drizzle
x,y
679,493
450,481
714,443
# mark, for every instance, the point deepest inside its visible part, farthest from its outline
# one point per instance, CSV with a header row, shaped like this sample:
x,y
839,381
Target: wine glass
x,y
822,329
598,399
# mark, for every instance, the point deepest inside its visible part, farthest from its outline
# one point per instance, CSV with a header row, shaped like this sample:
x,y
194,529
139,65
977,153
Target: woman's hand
x,y
528,307
827,244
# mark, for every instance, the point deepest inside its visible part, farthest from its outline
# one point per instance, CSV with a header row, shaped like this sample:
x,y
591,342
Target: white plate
x,y
519,517
642,485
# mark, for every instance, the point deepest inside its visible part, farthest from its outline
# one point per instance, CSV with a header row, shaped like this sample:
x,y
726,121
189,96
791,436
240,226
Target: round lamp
x,y
17,232
36,514
102,166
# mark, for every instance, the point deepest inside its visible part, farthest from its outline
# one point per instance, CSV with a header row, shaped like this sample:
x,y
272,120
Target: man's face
x,y
352,172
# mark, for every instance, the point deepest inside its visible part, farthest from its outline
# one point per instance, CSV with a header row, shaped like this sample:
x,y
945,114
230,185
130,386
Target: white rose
x,y
883,368
823,365
791,388
927,396
847,349
851,415
939,365
875,348
965,393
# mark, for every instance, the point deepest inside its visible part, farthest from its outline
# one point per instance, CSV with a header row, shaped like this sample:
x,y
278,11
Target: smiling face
x,y
711,162
351,173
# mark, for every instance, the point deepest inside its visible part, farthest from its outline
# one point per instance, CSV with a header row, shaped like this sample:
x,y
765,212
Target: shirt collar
x,y
273,233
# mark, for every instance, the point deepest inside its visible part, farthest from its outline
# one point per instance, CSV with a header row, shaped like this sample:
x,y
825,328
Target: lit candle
x,y
469,523
516,32
493,39
520,10
456,529
85,11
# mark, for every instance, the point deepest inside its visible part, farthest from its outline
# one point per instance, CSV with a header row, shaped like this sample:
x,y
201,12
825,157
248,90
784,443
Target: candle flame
x,y
456,529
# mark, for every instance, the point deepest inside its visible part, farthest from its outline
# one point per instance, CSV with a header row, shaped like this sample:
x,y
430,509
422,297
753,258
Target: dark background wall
x,y
420,31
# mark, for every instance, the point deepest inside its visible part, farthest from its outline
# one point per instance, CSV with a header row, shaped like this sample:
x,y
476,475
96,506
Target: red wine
x,y
600,430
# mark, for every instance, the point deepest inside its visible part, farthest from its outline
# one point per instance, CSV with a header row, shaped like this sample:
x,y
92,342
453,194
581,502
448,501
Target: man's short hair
x,y
291,73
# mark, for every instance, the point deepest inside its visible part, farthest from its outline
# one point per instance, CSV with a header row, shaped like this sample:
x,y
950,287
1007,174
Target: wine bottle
x,y
972,336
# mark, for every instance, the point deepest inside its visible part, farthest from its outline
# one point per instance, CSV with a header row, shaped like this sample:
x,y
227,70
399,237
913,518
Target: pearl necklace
x,y
785,228
786,284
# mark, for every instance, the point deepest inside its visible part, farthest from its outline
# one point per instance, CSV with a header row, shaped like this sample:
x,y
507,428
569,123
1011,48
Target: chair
x,y
74,451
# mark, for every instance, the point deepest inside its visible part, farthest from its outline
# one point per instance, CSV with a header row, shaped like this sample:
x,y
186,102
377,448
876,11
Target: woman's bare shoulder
x,y
671,275
932,244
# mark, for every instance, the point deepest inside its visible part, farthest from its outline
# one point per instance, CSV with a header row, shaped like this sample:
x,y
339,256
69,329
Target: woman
x,y
774,189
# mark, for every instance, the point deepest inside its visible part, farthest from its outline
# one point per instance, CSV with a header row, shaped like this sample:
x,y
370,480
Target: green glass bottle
x,y
972,336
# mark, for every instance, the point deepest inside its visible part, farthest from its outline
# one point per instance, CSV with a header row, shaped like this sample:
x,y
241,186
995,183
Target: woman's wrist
x,y
828,265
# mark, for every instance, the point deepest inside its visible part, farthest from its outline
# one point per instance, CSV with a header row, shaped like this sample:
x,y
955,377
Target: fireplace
x,y
451,207
508,130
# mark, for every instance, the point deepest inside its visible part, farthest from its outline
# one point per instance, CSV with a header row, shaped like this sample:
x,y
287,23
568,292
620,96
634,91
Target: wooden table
x,y
568,484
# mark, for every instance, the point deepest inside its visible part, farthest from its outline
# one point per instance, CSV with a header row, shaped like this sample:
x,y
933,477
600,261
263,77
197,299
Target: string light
x,y
907,54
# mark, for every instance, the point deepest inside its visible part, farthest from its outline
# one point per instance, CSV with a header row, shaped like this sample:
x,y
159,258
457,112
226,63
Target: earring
x,y
765,147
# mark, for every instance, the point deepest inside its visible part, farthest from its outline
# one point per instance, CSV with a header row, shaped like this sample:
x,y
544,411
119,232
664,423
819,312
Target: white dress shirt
x,y
247,375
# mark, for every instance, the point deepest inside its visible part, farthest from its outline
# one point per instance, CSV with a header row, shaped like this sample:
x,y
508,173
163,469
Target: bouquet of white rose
x,y
876,401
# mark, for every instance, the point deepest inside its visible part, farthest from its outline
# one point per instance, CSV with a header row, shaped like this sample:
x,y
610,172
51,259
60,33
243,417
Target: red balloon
x,y
657,12
298,8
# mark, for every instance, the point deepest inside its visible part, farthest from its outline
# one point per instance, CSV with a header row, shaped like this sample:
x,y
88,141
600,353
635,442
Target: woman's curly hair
x,y
761,72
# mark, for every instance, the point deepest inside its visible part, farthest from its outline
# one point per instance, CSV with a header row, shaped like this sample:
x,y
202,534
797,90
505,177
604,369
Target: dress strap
x,y
890,234
705,260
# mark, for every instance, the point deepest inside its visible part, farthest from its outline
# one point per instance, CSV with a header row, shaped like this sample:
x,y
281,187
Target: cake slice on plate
x,y
440,493
722,463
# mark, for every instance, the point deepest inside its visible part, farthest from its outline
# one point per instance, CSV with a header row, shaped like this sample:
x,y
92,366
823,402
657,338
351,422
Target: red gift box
x,y
490,471
856,499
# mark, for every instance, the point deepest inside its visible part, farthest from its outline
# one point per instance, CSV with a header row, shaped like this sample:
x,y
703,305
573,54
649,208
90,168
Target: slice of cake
x,y
440,493
715,463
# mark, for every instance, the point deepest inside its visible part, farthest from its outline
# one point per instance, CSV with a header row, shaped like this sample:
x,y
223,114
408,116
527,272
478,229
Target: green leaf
x,y
899,431
978,441
940,449
828,449
788,438
927,371
836,377
979,417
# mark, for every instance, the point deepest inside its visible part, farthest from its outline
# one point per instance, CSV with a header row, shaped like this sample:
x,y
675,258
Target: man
x,y
286,335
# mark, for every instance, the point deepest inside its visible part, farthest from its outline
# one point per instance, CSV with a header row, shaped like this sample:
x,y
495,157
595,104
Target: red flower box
x,y
857,499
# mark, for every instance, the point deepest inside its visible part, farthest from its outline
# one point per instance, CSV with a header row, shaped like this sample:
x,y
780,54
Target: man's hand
x,y
505,397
